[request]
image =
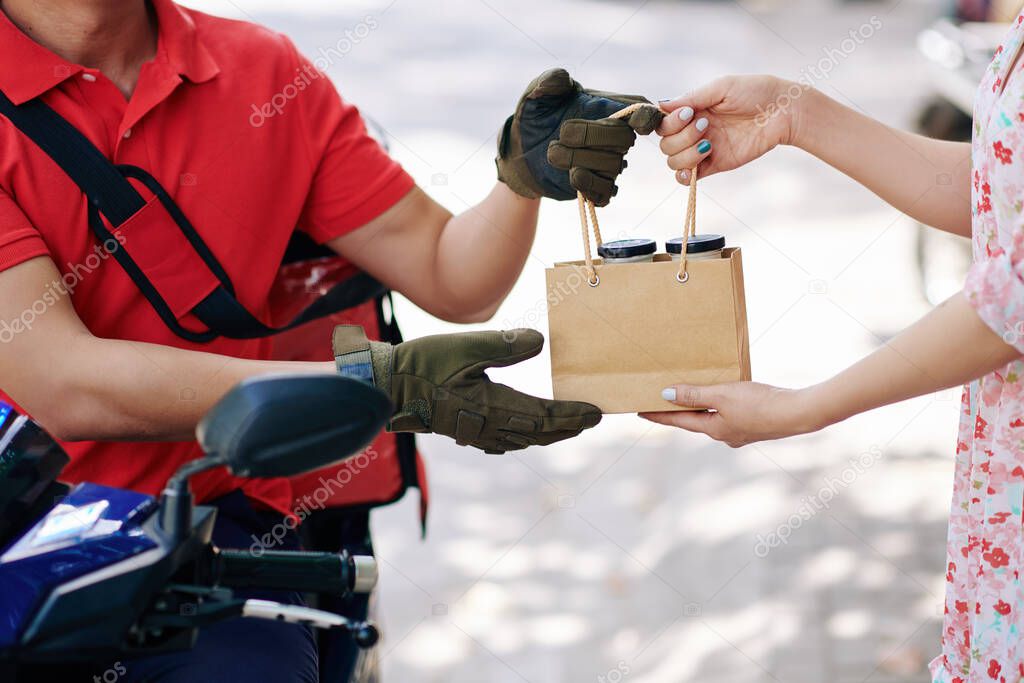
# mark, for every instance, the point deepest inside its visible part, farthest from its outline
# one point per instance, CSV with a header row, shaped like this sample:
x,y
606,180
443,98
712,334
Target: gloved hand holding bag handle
x,y
560,140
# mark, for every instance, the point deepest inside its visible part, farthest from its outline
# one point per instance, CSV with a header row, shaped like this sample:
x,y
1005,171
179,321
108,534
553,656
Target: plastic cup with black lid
x,y
698,247
628,251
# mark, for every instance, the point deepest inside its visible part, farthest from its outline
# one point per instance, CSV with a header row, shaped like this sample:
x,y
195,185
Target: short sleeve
x,y
355,179
995,283
995,288
19,240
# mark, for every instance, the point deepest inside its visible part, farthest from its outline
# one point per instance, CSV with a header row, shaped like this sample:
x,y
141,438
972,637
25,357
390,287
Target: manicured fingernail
x,y
669,394
683,175
686,113
702,124
704,147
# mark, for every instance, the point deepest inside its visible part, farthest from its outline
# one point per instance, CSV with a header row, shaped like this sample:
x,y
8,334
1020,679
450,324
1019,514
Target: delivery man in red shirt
x,y
122,382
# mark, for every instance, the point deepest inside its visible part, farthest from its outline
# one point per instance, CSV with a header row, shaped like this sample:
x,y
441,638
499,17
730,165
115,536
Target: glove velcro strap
x,y
357,365
352,353
381,354
357,357
349,338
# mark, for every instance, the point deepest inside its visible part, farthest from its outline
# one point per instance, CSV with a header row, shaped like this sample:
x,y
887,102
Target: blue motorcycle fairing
x,y
92,527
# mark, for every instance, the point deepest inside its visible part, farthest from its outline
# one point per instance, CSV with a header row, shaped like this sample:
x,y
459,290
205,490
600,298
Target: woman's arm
x,y
736,119
949,346
927,179
458,268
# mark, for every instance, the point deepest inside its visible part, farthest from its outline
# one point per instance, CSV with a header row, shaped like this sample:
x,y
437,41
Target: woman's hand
x,y
728,123
743,412
736,119
949,346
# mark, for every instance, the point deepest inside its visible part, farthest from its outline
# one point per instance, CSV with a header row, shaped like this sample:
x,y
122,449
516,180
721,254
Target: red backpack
x,y
391,464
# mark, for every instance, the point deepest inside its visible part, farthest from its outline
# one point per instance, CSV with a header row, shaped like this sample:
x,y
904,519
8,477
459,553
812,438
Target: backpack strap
x,y
113,196
102,183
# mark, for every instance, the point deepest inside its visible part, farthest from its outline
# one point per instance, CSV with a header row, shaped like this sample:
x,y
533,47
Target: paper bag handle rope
x,y
587,207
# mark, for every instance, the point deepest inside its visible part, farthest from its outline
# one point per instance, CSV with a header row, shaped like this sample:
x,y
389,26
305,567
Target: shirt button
x,y
89,77
127,133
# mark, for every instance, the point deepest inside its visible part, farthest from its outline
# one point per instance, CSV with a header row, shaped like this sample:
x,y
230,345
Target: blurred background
x,y
636,552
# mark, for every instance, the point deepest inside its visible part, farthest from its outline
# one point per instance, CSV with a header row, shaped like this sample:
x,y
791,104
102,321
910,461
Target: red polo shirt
x,y
252,142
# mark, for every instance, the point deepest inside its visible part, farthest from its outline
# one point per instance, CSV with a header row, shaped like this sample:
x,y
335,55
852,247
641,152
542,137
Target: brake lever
x,y
185,606
364,633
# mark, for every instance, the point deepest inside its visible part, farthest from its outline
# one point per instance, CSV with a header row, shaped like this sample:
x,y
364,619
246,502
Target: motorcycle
x,y
93,573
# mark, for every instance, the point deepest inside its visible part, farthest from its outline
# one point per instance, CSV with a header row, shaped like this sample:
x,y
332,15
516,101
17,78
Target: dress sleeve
x,y
995,283
355,179
19,240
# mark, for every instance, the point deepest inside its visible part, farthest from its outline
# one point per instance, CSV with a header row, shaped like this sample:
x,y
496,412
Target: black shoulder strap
x,y
111,194
102,183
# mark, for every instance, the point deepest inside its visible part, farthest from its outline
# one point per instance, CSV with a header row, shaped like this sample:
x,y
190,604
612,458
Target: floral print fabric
x,y
984,612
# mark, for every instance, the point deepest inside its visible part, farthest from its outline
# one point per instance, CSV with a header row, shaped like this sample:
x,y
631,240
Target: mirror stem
x,y
176,500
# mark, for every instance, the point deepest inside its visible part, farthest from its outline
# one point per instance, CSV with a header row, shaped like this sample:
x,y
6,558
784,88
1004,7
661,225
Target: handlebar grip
x,y
334,573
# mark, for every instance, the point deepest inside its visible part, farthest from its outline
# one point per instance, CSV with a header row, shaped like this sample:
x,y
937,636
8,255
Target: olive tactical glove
x,y
559,140
438,385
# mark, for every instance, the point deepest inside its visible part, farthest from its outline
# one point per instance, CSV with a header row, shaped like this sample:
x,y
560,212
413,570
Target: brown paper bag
x,y
620,333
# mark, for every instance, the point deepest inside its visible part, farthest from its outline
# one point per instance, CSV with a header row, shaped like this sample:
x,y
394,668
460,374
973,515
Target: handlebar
x,y
315,572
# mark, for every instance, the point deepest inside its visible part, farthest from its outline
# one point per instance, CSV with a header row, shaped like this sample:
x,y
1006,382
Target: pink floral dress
x,y
984,614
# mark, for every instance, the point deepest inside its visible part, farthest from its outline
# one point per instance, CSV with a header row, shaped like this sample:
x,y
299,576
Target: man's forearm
x,y
132,391
82,387
482,250
949,346
458,268
929,180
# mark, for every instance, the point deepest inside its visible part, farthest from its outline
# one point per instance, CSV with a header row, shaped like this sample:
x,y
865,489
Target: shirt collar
x,y
27,69
181,45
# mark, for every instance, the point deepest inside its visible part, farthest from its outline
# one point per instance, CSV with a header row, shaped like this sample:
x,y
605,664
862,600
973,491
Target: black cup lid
x,y
696,244
627,248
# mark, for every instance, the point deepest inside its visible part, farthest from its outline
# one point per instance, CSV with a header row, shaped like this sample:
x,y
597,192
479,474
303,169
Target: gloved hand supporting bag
x,y
438,384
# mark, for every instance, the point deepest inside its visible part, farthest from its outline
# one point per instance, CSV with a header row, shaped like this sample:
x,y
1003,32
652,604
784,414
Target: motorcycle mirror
x,y
283,425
